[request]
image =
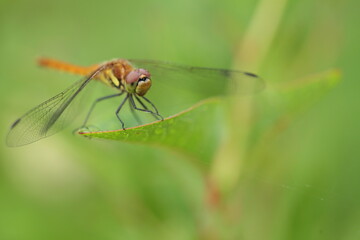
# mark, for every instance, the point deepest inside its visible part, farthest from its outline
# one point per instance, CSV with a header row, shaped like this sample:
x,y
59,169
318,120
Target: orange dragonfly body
x,y
118,73
131,78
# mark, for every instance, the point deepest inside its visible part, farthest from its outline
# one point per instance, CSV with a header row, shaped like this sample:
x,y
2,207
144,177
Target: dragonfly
x,y
131,79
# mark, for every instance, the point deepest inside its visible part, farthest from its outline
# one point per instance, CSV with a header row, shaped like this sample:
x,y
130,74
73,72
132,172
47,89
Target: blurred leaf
x,y
193,132
284,102
300,94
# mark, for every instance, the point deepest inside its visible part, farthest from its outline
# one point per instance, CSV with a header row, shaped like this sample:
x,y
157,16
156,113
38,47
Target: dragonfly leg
x,y
134,113
94,104
153,105
140,109
156,115
119,108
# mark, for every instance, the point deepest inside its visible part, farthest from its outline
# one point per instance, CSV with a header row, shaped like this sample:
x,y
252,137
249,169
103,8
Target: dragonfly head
x,y
138,81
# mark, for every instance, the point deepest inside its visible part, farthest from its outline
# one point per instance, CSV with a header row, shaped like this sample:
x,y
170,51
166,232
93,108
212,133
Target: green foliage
x,y
281,164
196,131
285,102
193,132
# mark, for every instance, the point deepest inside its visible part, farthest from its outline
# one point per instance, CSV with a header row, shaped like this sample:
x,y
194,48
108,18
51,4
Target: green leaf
x,y
301,94
196,131
285,102
193,132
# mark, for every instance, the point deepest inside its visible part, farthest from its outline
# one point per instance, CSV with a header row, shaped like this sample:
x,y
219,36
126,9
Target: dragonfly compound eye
x,y
132,77
136,75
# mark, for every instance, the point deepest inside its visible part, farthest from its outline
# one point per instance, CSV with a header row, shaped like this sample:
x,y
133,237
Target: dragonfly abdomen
x,y
66,67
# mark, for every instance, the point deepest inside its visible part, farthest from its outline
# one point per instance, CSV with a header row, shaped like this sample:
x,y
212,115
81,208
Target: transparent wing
x,y
182,86
47,118
212,80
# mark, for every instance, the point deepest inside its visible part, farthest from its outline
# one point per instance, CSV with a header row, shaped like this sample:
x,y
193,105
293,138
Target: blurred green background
x,y
67,187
